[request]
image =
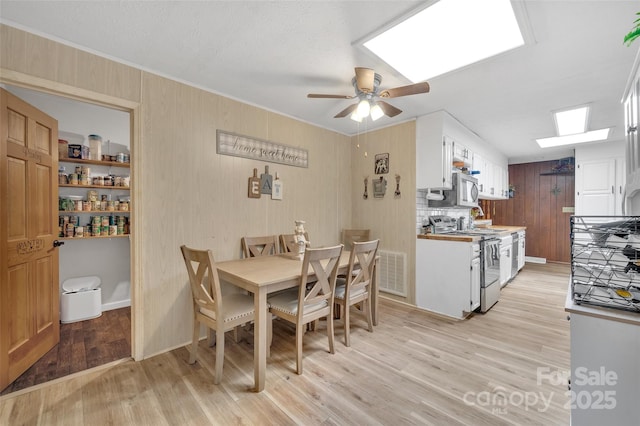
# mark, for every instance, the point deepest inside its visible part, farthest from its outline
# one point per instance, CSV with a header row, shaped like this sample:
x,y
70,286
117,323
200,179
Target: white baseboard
x,y
535,259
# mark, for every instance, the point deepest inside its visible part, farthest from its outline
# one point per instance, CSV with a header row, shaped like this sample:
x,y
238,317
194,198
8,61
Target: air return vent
x,y
393,272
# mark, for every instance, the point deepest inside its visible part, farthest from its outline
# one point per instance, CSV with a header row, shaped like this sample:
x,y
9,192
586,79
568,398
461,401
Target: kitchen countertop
x,y
471,238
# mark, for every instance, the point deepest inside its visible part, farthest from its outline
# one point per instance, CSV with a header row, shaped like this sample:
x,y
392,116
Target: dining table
x,y
262,275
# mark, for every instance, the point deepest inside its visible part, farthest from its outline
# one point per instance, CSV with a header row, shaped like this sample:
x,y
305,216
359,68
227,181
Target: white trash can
x,y
81,299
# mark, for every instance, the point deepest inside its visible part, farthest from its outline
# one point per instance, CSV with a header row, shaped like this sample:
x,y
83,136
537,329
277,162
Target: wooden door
x,y
29,292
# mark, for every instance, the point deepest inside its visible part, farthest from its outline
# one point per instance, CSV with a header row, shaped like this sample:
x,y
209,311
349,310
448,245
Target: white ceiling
x,y
272,53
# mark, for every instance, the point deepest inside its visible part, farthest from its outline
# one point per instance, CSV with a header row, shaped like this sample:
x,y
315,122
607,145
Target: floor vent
x,y
393,272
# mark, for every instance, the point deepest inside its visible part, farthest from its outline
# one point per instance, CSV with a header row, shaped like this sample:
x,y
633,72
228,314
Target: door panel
x,y
29,290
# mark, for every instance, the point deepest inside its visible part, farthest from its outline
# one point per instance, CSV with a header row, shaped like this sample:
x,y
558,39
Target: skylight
x,y
448,35
572,121
592,136
571,127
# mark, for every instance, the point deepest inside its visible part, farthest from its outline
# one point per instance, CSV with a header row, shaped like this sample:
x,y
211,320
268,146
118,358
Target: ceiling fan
x,y
367,87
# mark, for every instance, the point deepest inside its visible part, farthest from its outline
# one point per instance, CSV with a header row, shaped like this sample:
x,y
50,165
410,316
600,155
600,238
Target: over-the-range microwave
x,y
464,193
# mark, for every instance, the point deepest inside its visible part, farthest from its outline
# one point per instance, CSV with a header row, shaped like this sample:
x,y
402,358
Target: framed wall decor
x,y
382,163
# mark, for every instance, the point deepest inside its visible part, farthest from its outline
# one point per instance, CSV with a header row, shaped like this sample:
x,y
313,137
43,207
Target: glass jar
x,y
95,147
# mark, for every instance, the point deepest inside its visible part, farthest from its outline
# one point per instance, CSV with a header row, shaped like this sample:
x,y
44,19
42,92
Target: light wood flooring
x,y
415,368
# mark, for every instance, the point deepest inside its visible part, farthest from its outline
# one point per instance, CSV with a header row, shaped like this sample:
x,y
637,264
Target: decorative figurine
x,y
300,238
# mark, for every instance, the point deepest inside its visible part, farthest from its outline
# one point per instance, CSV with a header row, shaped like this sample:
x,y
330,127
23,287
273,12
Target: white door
x,y
596,188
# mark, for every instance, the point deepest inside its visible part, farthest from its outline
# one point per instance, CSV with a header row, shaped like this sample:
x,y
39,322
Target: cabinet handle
x,y
613,191
631,129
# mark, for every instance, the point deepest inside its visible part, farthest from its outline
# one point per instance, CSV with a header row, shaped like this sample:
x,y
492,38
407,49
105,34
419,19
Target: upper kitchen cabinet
x,y
442,141
434,153
631,101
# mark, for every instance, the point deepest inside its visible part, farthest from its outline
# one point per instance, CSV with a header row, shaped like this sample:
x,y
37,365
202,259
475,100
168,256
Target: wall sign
x,y
258,149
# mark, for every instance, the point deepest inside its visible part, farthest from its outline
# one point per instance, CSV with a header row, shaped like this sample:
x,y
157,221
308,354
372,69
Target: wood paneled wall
x,y
183,192
537,204
391,219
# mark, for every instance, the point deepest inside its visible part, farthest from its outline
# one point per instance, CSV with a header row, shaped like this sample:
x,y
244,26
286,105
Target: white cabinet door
x,y
619,188
595,188
447,161
434,154
604,350
521,249
462,153
475,283
631,123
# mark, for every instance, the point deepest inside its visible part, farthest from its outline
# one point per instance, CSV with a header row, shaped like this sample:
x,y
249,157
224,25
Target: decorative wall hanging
x,y
258,149
397,193
254,185
365,195
379,187
382,163
276,193
266,181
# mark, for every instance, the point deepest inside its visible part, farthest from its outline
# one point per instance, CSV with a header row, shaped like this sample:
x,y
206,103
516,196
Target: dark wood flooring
x,y
83,345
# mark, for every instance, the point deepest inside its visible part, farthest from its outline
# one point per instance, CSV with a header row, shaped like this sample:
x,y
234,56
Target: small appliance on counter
x,y
441,224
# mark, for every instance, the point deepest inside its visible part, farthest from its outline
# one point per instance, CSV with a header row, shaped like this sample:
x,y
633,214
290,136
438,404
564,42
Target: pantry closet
x,y
106,257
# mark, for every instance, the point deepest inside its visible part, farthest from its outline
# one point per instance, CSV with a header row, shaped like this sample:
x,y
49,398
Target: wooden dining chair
x,y
210,308
351,235
260,246
354,289
288,243
309,302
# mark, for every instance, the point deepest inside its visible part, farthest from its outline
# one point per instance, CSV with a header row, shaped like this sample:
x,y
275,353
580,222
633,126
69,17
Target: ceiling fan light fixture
x,y
356,117
376,112
363,108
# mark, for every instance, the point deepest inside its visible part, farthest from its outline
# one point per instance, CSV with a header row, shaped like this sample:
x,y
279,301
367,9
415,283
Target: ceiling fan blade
x,y
319,96
364,79
388,109
348,110
412,89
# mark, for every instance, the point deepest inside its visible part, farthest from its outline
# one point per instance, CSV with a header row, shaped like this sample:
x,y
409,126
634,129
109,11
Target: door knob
x,y
57,243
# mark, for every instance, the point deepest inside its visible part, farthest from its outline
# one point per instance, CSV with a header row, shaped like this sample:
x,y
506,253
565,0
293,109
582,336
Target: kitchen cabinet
x,y
521,249
506,248
475,283
114,210
462,154
605,373
440,140
434,154
447,277
631,102
493,179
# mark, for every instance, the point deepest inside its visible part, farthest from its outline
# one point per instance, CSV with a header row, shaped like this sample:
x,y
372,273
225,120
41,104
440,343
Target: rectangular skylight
x,y
572,121
593,136
448,35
